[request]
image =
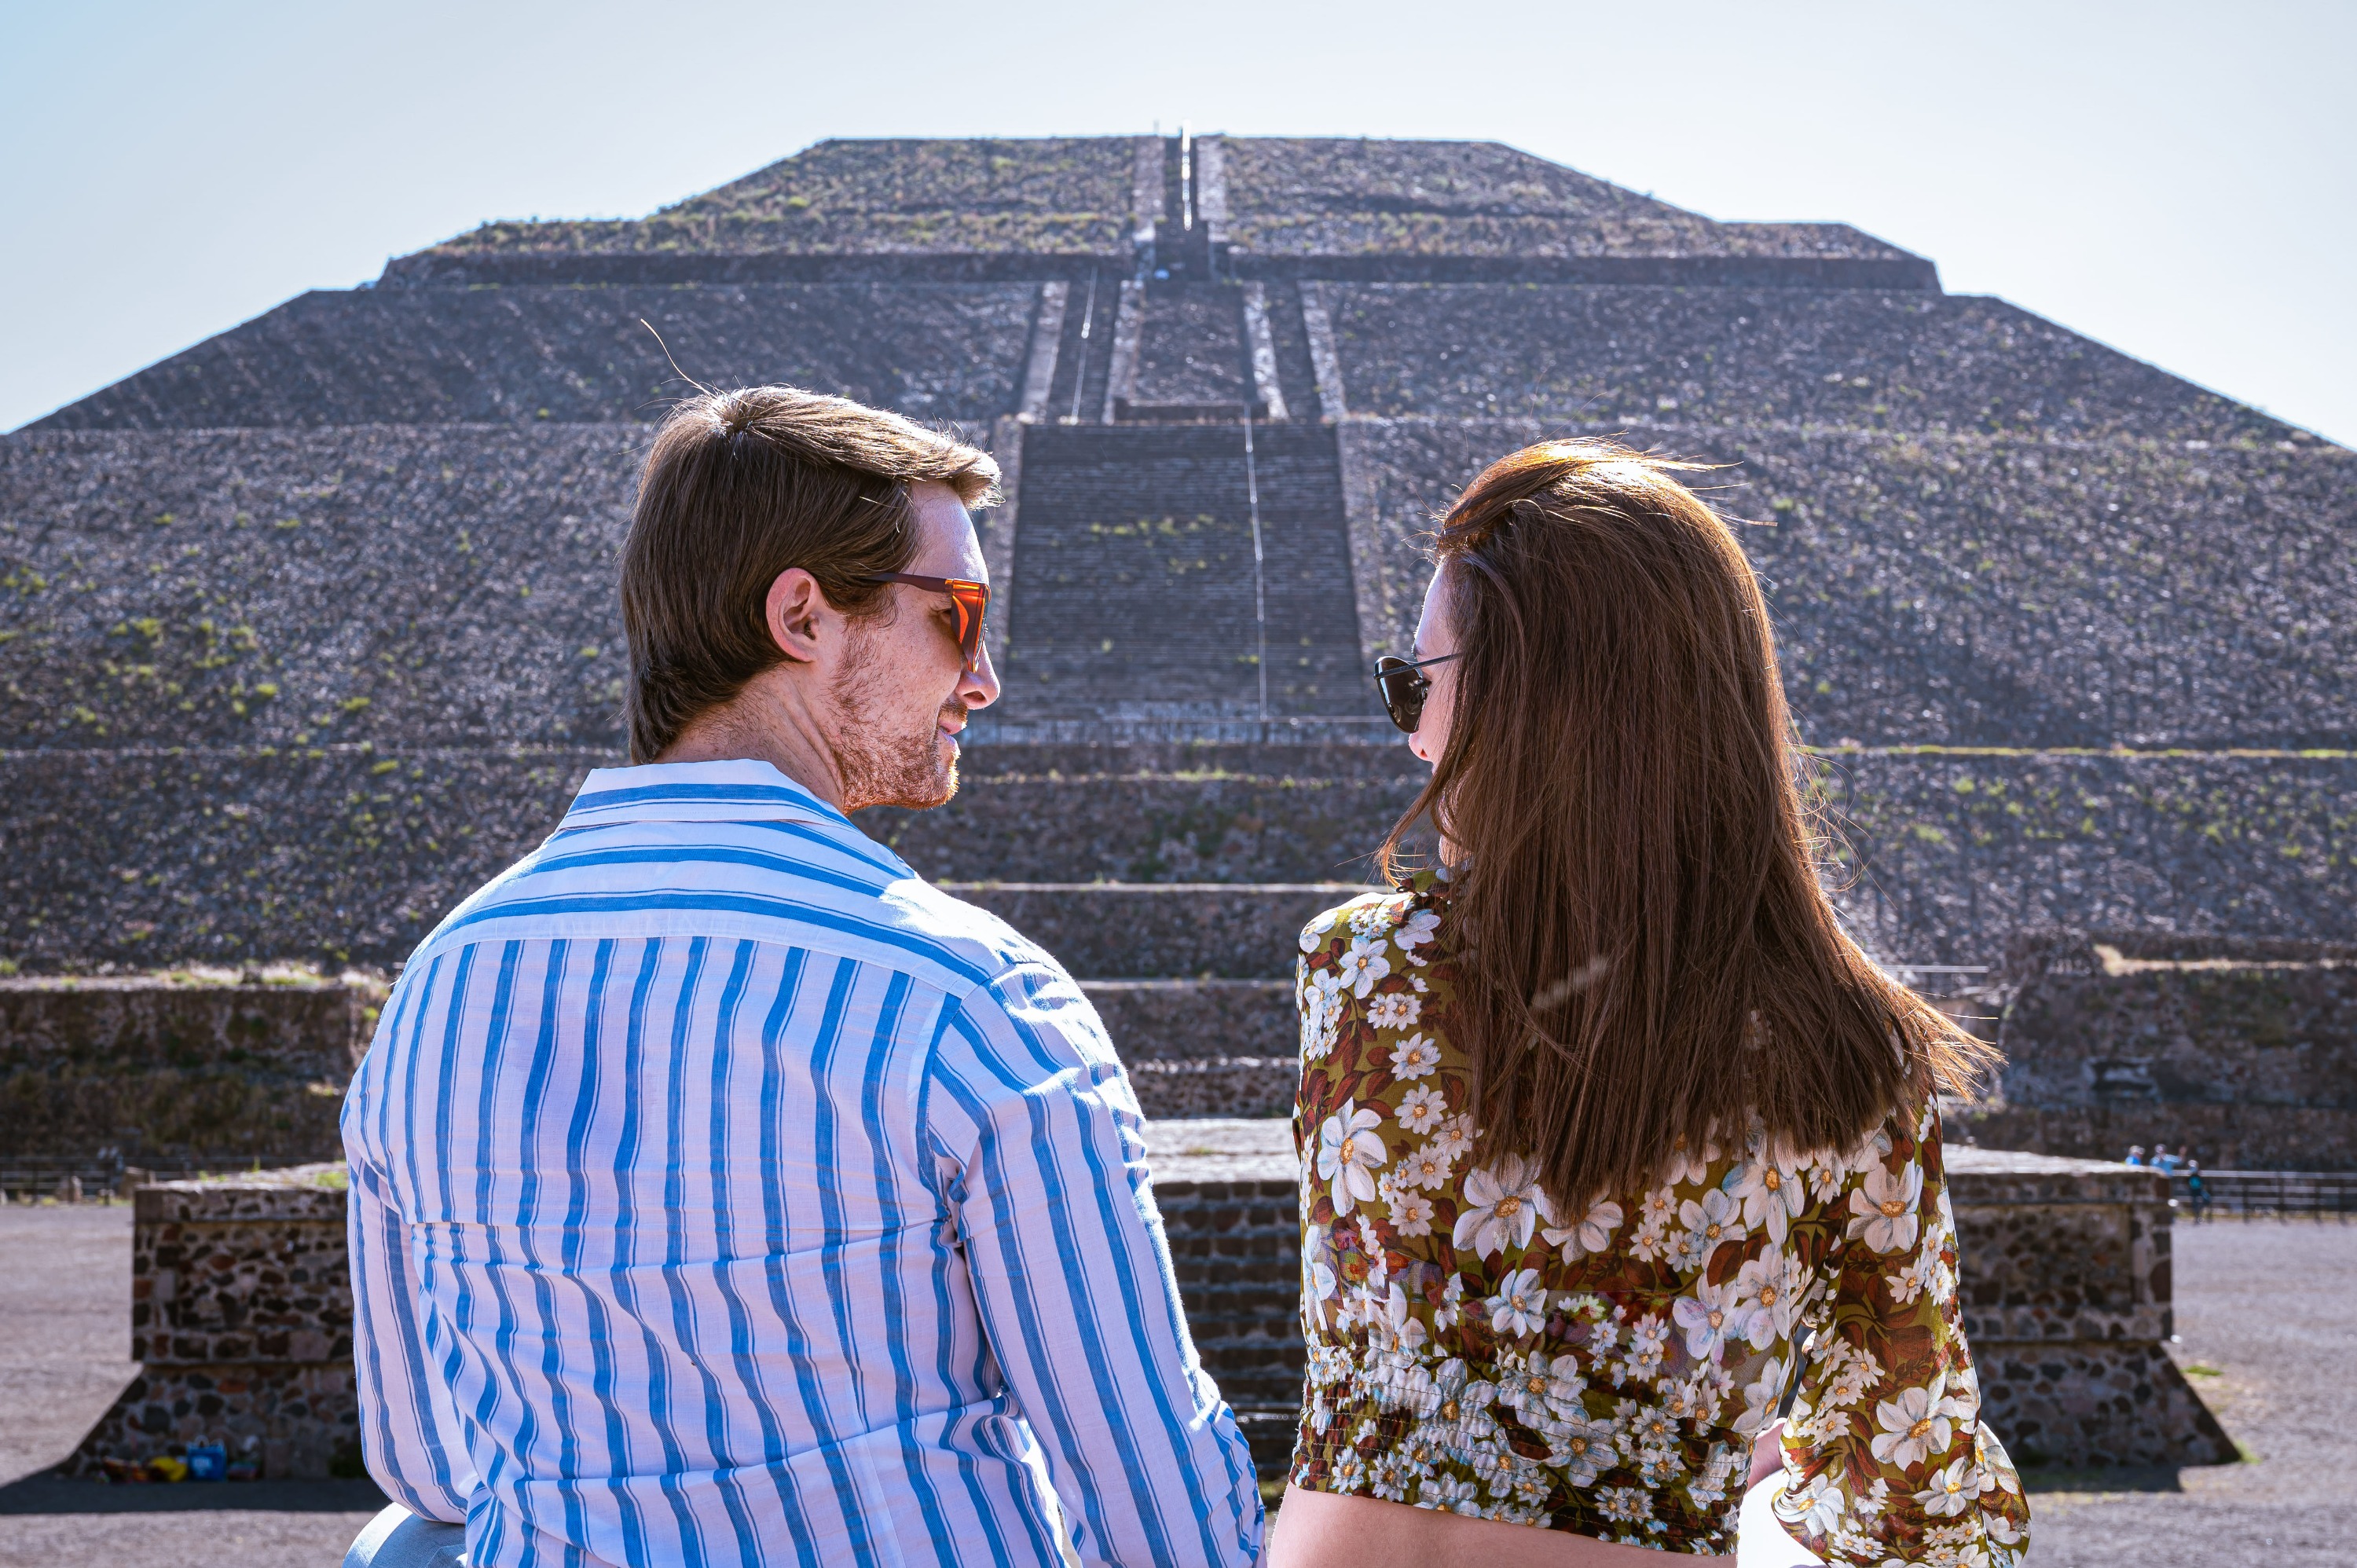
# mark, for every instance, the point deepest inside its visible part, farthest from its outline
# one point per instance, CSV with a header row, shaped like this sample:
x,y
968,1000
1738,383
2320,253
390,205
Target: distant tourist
x,y
1612,1142
2136,1154
2162,1160
723,1193
2197,1191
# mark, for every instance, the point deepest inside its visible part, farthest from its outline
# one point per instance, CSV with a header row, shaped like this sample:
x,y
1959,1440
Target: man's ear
x,y
798,615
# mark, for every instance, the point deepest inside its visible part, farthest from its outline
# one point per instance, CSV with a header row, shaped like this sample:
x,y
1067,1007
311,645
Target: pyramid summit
x,y
311,628
1238,206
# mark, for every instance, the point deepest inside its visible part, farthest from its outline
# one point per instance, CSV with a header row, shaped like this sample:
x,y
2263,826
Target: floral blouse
x,y
1605,1372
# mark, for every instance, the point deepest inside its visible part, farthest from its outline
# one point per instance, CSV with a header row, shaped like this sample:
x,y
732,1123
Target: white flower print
x,y
1452,1300
1415,931
1388,1476
1396,1010
1917,1425
1520,1306
1711,1317
1649,1340
1717,1219
1371,916
1581,1446
1456,1136
1426,1166
1645,1243
1314,933
1695,1400
1319,1284
1760,1397
1539,1387
1774,1286
1411,1213
1884,1205
1448,1496
1771,1193
1321,1019
1857,1371
1951,1490
1592,1232
1347,1151
1421,1111
1686,1164
1362,966
1405,1328
1625,1505
1347,1472
1718,1471
1503,1204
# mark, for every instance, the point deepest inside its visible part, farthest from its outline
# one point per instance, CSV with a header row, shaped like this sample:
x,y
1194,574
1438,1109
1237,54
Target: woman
x,y
1611,1140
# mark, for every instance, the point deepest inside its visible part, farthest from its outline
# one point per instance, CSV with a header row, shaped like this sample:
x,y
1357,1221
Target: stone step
x,y
1197,1020
1163,930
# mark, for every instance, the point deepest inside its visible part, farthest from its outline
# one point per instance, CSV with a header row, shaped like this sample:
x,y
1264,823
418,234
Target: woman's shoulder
x,y
1403,919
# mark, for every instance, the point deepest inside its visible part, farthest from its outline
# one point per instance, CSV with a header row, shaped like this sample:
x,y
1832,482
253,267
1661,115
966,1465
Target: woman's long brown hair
x,y
1645,953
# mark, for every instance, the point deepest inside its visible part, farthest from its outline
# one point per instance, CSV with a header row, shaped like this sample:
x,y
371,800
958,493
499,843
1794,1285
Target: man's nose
x,y
979,687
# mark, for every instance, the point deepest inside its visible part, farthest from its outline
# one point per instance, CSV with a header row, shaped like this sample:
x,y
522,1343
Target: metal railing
x,y
2268,1193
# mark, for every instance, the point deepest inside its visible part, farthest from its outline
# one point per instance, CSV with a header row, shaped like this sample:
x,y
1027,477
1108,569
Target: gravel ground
x,y
2266,1311
65,1298
2267,1314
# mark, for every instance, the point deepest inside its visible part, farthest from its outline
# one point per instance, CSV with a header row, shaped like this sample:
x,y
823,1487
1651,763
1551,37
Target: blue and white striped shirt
x,y
722,1192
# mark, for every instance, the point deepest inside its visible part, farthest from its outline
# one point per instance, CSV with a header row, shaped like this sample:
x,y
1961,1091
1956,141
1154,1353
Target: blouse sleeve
x,y
1885,1460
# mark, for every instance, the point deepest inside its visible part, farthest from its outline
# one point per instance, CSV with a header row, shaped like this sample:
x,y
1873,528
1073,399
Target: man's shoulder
x,y
836,893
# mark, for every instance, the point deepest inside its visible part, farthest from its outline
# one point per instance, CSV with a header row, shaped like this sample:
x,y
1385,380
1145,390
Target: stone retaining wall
x,y
2242,1053
180,1070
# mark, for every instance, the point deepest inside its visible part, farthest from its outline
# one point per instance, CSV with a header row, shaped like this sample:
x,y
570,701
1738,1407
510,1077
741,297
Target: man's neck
x,y
751,730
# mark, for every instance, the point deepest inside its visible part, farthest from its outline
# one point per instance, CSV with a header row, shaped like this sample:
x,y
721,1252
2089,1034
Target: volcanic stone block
x,y
242,1319
178,1068
1145,930
2243,1053
1198,1020
1187,1089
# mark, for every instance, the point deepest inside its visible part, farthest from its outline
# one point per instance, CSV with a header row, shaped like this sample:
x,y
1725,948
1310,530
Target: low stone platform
x,y
241,1304
242,1320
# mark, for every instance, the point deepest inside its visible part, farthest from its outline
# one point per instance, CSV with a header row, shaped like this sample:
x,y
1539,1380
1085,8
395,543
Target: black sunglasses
x,y
1404,686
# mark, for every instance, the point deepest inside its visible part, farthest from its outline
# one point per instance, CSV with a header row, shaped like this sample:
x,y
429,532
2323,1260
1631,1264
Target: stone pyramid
x,y
311,628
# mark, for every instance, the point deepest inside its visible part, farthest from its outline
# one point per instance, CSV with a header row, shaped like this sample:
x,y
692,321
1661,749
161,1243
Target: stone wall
x,y
242,1310
2243,1054
178,1070
242,1322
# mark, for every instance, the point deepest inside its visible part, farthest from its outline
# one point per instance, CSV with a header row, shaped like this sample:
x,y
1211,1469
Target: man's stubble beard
x,y
874,764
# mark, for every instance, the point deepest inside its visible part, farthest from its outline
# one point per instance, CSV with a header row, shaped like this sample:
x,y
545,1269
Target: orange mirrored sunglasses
x,y
971,599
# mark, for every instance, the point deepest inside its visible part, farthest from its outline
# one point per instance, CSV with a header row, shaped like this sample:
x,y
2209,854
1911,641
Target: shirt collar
x,y
740,791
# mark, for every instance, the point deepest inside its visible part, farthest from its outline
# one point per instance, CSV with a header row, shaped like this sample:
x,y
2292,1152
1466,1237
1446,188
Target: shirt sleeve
x,y
1038,1137
1886,1458
410,1435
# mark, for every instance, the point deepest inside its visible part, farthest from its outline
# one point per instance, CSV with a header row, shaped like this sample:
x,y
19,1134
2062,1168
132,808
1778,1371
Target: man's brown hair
x,y
1645,954
740,487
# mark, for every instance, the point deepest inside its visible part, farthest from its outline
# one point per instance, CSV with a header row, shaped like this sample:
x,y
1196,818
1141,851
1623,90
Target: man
x,y
721,1191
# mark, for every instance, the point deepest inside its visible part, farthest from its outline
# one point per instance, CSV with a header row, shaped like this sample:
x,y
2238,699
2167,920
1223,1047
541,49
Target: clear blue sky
x,y
2173,179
